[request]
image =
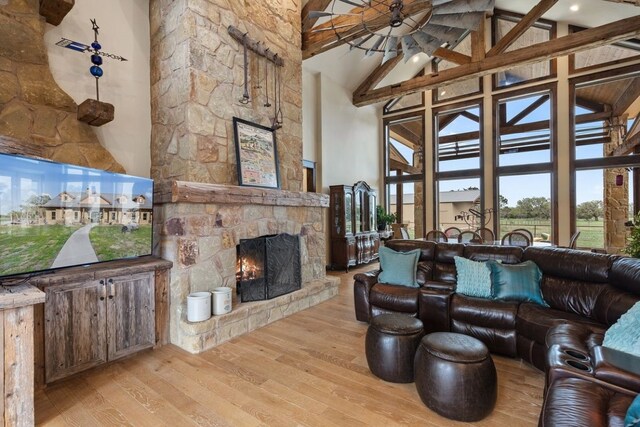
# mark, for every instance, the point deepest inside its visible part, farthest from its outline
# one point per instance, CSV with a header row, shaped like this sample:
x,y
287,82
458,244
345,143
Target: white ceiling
x,y
350,68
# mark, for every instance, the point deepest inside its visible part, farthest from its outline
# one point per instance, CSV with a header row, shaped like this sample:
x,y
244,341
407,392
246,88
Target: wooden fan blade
x,y
390,49
467,21
426,42
463,6
440,32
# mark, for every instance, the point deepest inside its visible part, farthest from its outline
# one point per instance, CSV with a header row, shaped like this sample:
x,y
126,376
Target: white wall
x,y
124,31
345,140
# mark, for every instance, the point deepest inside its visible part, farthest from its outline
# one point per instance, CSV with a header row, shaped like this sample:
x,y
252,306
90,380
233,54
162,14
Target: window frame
x,y
513,170
436,176
551,26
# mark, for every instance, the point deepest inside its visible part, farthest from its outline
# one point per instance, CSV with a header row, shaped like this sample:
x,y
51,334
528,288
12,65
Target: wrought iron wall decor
x,y
276,62
96,54
475,218
95,113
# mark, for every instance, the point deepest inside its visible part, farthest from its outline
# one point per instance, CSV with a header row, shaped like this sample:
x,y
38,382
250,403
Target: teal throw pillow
x,y
474,278
624,335
633,414
517,282
398,268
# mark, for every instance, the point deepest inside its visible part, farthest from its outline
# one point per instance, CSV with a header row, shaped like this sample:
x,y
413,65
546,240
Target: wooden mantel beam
x,y
586,39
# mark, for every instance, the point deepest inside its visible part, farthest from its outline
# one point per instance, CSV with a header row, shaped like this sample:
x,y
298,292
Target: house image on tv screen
x,y
99,208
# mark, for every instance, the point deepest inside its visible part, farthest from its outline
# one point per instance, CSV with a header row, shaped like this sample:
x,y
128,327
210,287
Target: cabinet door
x,y
130,314
75,326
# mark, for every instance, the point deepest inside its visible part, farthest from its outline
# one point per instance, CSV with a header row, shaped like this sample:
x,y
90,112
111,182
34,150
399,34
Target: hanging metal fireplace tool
x,y
260,48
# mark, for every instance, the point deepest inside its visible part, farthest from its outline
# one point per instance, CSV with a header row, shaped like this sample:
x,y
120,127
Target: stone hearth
x,y
198,226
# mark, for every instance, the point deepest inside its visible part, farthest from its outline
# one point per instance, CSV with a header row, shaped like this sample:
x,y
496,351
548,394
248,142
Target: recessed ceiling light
x,y
443,93
415,59
574,8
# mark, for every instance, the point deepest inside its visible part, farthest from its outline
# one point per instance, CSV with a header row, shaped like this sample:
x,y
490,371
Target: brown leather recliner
x,y
587,384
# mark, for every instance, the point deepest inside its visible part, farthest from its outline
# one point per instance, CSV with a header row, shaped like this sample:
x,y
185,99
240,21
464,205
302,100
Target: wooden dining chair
x,y
525,232
469,236
574,240
452,232
486,234
405,233
516,238
436,236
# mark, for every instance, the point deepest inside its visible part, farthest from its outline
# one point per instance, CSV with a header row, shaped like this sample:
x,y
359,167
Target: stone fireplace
x,y
197,71
198,226
267,267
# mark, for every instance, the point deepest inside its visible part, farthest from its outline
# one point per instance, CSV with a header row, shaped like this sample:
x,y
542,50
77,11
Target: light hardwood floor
x,y
307,369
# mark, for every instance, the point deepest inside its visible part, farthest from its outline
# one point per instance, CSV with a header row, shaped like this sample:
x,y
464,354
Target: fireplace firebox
x,y
267,267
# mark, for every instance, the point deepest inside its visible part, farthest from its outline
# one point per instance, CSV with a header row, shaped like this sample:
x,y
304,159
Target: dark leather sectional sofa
x,y
587,384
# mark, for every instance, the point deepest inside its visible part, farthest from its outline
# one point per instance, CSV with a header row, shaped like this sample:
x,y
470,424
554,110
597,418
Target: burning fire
x,y
246,269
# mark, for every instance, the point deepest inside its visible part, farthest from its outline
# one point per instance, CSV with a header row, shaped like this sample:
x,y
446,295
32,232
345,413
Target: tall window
x,y
458,156
404,170
603,177
525,162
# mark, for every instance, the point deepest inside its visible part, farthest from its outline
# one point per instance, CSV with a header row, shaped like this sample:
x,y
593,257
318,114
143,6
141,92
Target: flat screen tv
x,y
55,215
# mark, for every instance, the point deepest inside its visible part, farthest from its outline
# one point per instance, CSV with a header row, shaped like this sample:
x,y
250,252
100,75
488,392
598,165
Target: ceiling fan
x,y
418,25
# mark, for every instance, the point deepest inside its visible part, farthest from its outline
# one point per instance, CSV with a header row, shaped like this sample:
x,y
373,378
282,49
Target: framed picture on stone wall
x,y
257,154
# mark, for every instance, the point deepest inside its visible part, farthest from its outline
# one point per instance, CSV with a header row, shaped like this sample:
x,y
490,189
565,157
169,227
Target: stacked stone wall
x,y
201,240
197,75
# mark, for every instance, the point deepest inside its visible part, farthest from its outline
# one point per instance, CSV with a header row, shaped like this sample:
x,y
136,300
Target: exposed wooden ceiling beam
x,y
382,70
452,56
396,165
478,45
627,97
320,5
586,39
589,104
519,29
628,146
528,110
404,137
348,28
633,2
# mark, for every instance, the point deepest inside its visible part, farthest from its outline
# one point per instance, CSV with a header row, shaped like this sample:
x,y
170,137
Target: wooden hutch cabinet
x,y
354,239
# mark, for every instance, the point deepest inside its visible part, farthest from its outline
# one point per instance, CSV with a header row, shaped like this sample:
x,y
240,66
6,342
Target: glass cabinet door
x,y
348,209
358,211
372,213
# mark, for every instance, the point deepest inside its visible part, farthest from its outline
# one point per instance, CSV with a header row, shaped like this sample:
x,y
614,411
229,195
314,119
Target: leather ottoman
x,y
455,376
390,346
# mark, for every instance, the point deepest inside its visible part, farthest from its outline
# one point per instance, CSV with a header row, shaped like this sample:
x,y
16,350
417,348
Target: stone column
x,y
197,75
616,197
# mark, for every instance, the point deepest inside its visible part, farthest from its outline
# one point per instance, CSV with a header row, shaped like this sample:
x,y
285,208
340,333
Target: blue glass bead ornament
x,y
96,71
96,54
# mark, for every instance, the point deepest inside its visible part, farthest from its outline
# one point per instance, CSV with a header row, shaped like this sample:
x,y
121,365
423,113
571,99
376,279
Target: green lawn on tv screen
x,y
31,248
110,242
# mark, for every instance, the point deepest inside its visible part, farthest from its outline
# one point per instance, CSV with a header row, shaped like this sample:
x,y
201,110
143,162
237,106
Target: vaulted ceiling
x,y
372,82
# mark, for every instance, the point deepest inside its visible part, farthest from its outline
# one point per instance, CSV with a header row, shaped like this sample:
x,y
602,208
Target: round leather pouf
x,y
455,376
390,346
